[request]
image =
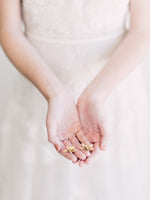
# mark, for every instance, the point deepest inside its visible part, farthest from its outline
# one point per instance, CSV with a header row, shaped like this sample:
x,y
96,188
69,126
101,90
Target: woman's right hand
x,y
61,121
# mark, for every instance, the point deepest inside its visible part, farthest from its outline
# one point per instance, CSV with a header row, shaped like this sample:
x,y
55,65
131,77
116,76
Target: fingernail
x,y
57,147
88,154
104,147
84,157
80,164
75,160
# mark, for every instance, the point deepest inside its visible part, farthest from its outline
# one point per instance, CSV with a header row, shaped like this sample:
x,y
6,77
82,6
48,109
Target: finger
x,y
103,136
82,138
77,153
81,163
93,155
56,142
76,161
68,155
78,145
52,135
103,143
92,136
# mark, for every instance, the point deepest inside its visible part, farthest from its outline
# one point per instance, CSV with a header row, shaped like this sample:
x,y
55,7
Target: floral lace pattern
x,y
74,19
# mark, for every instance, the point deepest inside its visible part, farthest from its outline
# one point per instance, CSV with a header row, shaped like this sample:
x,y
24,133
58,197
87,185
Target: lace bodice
x,y
75,20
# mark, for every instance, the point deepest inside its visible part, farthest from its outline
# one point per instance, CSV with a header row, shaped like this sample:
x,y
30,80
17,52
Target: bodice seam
x,y
75,41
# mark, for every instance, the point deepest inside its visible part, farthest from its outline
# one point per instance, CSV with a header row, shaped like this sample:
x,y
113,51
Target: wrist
x,y
54,90
95,93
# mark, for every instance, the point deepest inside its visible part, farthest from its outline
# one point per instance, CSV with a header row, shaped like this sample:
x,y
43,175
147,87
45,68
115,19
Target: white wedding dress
x,y
76,39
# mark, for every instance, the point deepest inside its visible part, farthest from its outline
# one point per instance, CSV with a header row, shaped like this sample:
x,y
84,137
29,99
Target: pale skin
x,y
89,113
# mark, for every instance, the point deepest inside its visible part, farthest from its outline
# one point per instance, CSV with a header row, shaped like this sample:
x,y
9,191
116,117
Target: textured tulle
x,y
31,168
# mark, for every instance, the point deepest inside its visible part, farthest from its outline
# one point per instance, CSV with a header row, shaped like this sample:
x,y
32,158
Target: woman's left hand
x,y
93,120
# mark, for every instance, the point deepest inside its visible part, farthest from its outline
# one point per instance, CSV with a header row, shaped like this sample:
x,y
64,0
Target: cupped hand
x,y
93,121
62,122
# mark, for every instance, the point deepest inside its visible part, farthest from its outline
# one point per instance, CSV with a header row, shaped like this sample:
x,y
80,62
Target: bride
x,y
79,76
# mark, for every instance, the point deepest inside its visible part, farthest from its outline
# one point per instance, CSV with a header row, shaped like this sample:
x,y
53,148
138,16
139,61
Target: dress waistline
x,y
75,41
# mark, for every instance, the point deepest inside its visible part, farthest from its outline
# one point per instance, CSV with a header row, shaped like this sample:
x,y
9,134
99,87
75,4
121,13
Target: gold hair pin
x,y
87,147
71,149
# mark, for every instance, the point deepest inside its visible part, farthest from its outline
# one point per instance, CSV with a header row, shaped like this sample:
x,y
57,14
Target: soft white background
x,y
8,74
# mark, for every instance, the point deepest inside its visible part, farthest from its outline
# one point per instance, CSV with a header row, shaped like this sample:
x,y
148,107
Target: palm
x,y
62,120
93,123
89,122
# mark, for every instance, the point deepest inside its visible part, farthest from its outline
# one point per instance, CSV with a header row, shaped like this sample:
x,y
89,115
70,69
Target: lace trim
x,y
74,20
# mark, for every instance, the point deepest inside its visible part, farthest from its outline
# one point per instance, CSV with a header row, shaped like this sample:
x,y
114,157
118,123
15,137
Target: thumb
x,y
52,137
56,142
104,132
